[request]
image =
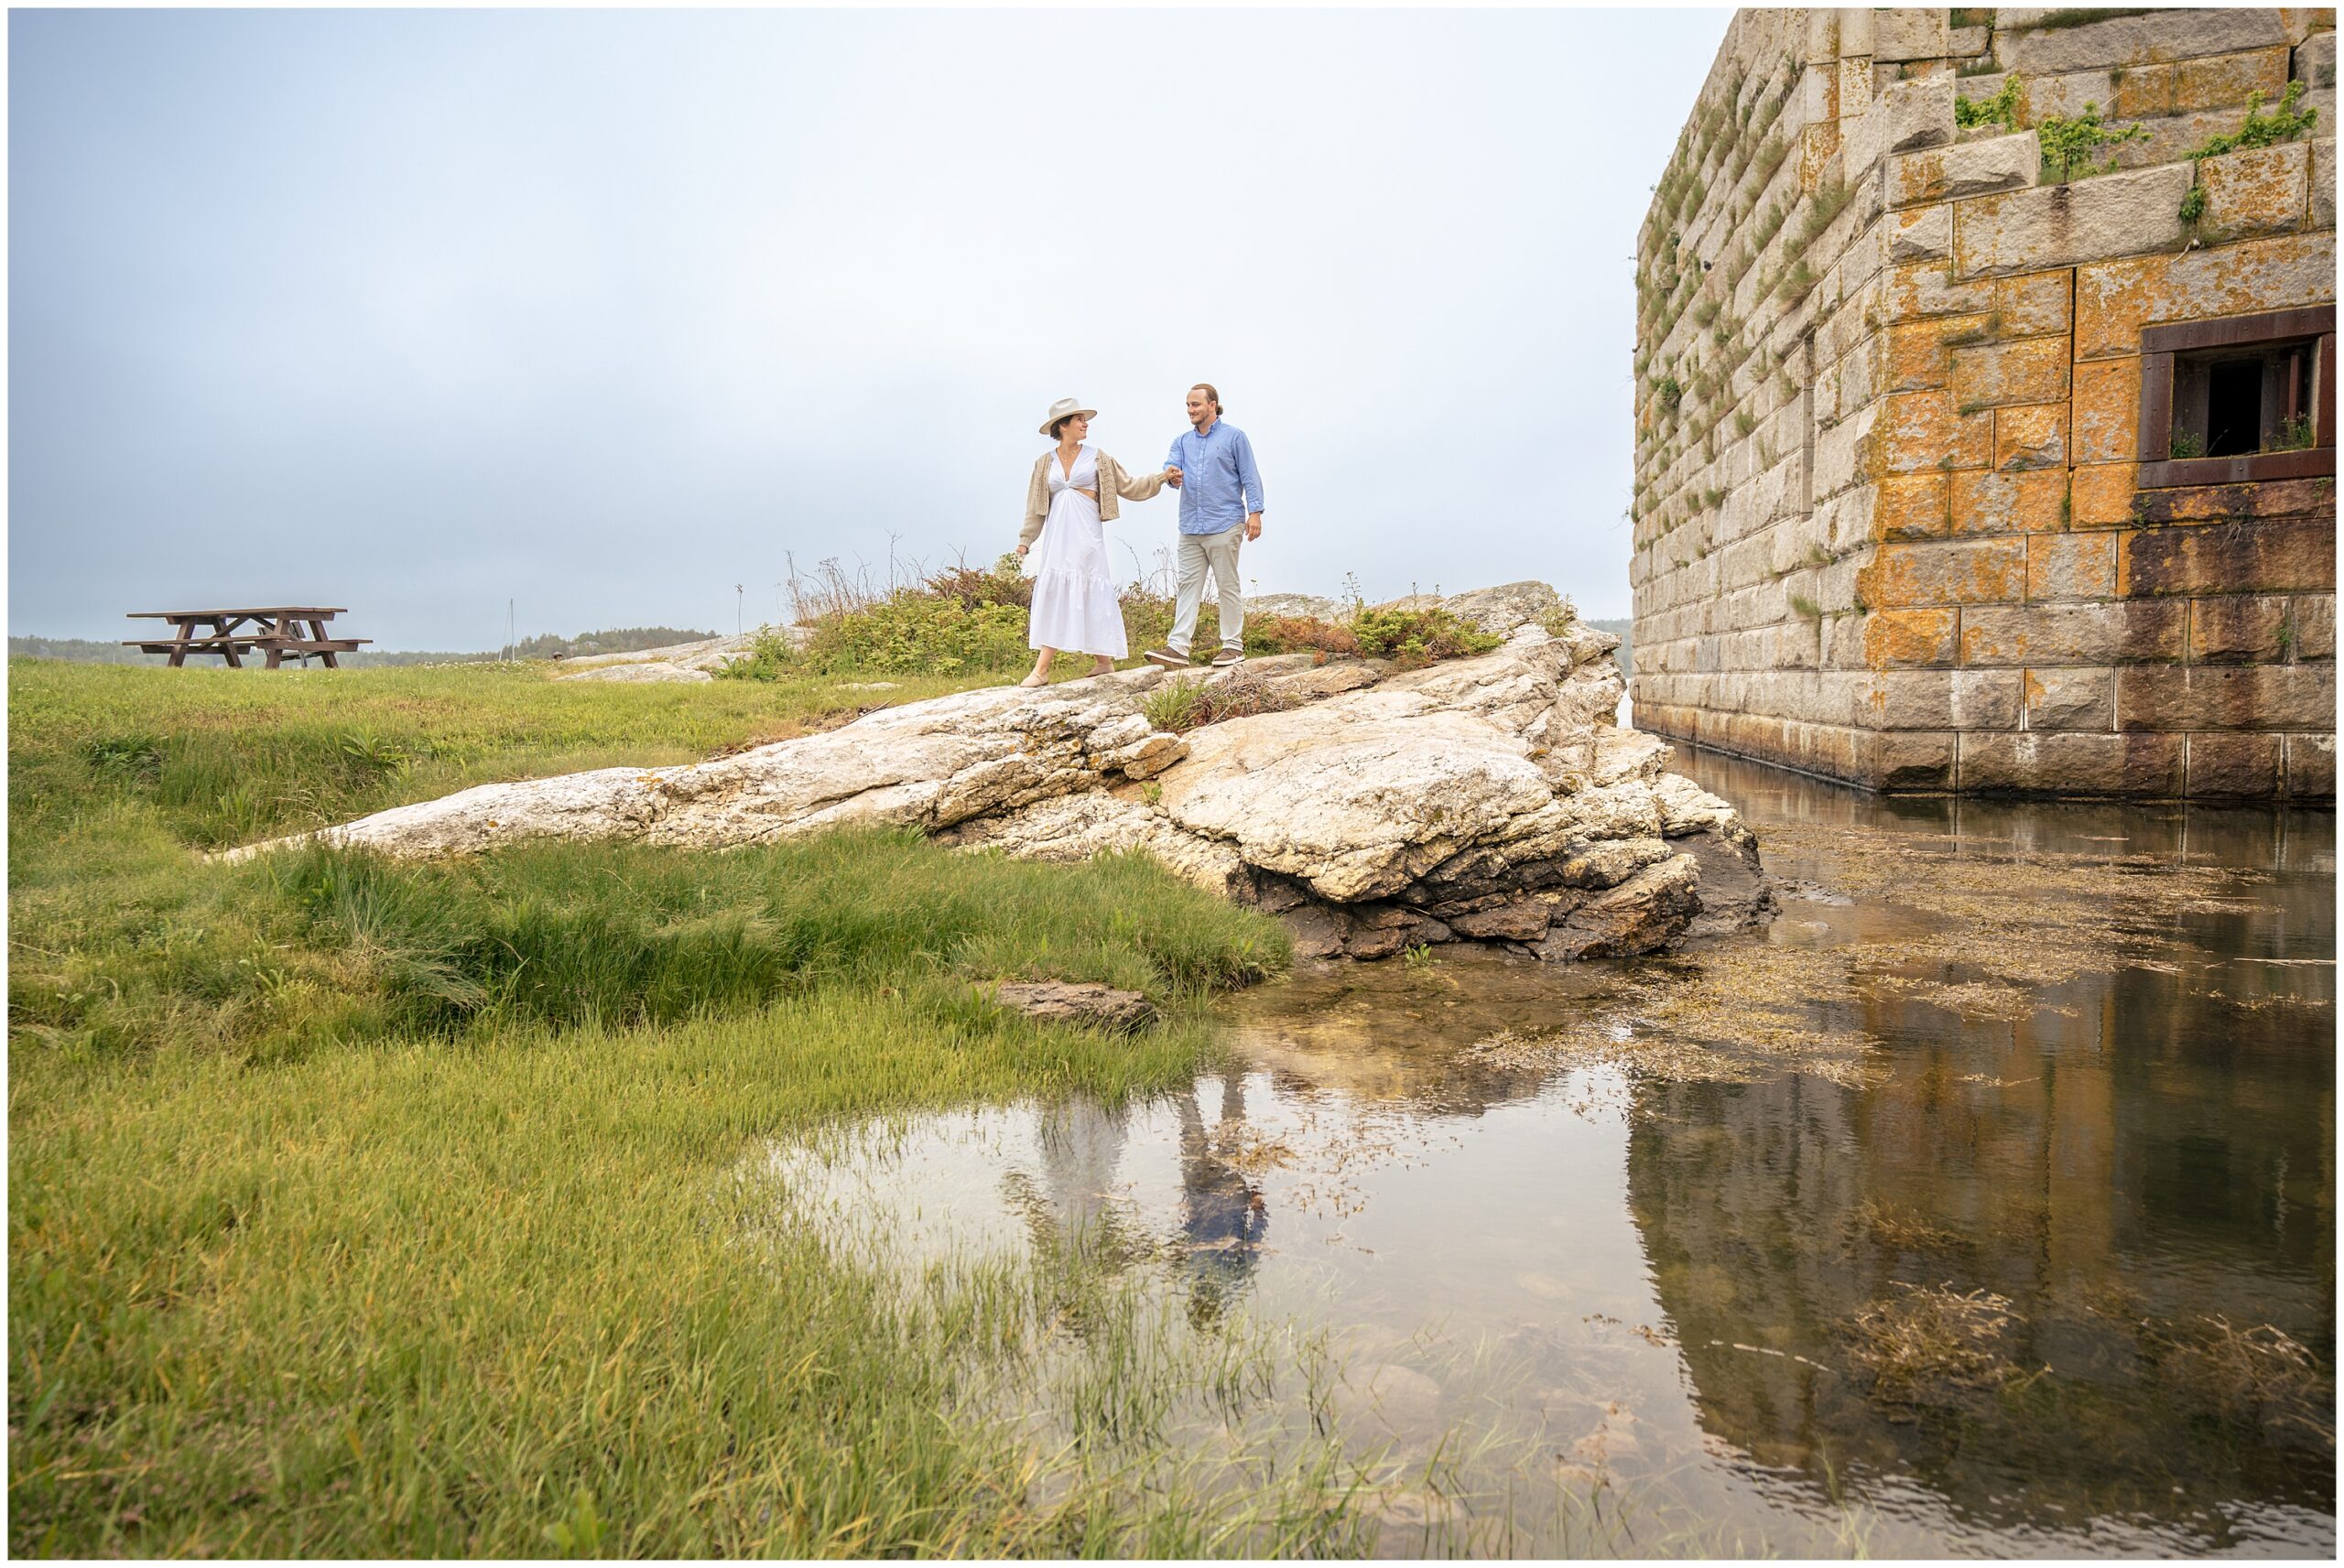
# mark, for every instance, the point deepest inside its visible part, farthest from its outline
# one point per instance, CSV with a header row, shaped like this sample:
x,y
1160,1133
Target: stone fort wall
x,y
1932,493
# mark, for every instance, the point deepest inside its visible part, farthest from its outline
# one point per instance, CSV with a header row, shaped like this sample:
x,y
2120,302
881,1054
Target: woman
x,y
1073,494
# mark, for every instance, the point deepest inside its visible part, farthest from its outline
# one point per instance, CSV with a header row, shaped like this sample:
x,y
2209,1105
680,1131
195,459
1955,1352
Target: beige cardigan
x,y
1113,480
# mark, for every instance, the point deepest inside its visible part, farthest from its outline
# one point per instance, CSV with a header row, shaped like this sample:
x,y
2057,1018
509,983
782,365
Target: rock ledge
x,y
1487,800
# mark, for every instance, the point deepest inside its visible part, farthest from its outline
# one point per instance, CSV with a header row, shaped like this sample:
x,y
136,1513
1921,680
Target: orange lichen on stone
x,y
2260,192
2072,566
1927,288
1982,572
1920,431
2032,437
1911,506
2034,303
2215,81
1994,502
1819,145
1918,356
1908,638
2101,495
2035,371
2107,410
2115,299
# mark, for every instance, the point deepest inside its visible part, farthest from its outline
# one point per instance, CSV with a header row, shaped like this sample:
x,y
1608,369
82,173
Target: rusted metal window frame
x,y
2160,469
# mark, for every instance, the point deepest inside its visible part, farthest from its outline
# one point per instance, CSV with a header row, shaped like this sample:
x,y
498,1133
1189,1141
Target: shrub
x,y
954,622
1002,583
1418,636
1297,634
912,631
1148,622
771,657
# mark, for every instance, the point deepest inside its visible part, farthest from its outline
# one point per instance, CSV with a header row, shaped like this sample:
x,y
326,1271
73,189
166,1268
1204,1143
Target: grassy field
x,y
366,1209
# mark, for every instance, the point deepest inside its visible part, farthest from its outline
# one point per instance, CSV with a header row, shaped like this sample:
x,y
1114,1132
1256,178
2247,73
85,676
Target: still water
x,y
1982,1205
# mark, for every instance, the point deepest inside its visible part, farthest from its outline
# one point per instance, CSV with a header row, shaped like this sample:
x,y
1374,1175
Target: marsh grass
x,y
408,1300
2260,1376
379,1210
1931,1342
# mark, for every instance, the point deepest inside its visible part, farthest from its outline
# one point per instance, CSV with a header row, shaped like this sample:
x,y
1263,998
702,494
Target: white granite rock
x,y
1491,797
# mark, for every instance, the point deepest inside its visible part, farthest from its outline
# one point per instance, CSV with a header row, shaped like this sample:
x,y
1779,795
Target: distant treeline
x,y
621,640
1619,628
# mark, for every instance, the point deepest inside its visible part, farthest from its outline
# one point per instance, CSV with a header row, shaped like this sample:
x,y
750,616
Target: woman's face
x,y
1078,428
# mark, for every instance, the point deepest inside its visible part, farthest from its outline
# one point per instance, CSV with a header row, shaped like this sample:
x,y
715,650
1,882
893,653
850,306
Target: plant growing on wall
x,y
2261,130
2069,146
2001,109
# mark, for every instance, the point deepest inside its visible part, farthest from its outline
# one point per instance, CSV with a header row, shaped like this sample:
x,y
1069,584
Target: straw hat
x,y
1066,408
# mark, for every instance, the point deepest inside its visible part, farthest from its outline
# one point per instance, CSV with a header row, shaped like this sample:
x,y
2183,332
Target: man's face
x,y
1199,409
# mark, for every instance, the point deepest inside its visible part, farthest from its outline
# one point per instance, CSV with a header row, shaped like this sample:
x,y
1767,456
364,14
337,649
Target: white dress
x,y
1076,608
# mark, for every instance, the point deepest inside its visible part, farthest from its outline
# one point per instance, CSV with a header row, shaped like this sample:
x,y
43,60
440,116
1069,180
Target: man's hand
x,y
1172,477
1253,525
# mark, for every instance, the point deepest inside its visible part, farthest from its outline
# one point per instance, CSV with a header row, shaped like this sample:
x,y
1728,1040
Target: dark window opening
x,y
2228,403
2233,408
2239,399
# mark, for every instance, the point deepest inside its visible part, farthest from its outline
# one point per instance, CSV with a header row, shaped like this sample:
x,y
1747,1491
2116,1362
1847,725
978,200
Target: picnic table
x,y
275,630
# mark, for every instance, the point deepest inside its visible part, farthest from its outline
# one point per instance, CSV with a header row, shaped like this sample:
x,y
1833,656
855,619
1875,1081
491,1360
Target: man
x,y
1212,465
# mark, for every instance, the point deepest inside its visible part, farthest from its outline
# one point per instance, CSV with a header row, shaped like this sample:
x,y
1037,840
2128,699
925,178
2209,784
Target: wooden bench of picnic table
x,y
275,630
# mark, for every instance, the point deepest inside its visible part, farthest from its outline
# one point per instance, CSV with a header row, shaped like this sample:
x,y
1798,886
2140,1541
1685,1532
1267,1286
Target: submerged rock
x,y
1488,799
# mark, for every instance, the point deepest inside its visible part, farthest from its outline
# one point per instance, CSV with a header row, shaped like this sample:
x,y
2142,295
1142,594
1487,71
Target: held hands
x,y
1172,477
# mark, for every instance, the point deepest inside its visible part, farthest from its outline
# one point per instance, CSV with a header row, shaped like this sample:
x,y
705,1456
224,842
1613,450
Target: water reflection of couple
x,y
1223,1219
1073,495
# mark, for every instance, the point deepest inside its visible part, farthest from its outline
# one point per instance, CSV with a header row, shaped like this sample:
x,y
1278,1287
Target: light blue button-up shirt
x,y
1219,484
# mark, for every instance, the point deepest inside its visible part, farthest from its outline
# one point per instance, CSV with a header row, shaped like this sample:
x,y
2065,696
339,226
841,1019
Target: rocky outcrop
x,y
1487,800
679,661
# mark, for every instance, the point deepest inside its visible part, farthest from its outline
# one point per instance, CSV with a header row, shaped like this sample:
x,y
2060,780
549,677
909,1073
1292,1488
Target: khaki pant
x,y
1218,551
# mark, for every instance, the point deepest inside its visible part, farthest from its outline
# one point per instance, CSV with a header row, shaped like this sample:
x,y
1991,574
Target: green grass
x,y
374,1209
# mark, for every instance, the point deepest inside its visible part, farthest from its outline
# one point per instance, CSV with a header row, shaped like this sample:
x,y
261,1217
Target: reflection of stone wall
x,y
2112,1194
1892,523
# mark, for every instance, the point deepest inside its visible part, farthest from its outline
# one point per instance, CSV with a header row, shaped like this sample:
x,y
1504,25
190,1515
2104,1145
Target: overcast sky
x,y
607,312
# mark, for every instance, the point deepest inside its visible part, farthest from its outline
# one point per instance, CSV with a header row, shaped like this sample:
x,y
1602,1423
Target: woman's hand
x,y
1021,549
1172,477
